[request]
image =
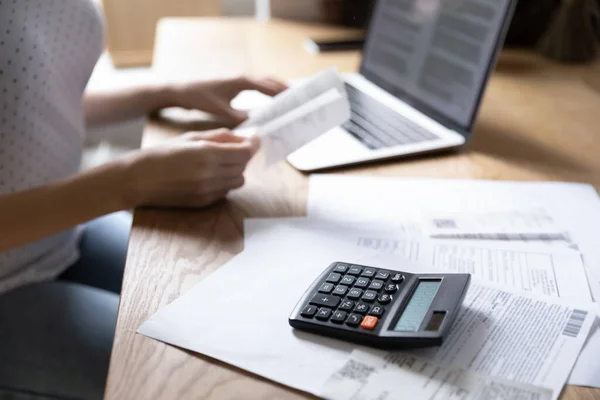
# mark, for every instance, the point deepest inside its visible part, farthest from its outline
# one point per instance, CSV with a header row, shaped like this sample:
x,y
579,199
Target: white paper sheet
x,y
264,282
586,371
526,225
301,92
289,132
574,207
298,115
377,375
537,269
252,297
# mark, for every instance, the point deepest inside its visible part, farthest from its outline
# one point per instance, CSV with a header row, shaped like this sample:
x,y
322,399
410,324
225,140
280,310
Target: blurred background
x,y
564,30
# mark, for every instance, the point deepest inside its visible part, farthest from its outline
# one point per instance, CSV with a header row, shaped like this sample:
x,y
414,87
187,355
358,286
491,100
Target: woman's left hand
x,y
215,96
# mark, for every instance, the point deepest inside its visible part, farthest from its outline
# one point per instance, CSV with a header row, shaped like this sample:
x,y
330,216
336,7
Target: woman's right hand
x,y
193,170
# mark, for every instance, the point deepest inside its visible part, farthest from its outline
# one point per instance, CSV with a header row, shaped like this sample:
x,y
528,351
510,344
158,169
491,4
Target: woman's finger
x,y
232,153
280,85
220,184
262,85
218,136
224,109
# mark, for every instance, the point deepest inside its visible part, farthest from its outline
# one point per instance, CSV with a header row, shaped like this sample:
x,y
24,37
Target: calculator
x,y
380,307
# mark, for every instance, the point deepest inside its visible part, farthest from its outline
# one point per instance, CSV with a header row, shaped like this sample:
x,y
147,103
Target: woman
x,y
59,275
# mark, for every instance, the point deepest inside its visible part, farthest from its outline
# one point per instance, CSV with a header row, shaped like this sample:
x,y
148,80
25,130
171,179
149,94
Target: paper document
x,y
557,272
537,269
265,281
482,337
573,207
298,115
300,93
587,369
376,375
507,225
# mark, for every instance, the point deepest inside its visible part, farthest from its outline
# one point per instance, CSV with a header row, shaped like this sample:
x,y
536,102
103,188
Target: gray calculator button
x,y
397,278
376,284
339,317
323,314
361,308
334,277
376,311
355,270
362,282
382,275
347,305
369,272
326,288
341,268
369,296
309,311
340,290
354,319
354,294
348,280
325,300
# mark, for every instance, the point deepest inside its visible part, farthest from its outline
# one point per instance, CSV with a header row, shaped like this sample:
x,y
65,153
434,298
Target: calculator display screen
x,y
417,306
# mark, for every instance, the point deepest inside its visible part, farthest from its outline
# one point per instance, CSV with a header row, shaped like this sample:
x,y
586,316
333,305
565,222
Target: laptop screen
x,y
435,54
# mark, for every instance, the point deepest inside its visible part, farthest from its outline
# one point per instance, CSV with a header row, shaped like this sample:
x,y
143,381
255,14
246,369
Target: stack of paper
x,y
530,247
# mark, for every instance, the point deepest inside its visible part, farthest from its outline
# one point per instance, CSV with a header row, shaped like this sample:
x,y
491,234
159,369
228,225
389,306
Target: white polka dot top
x,y
48,49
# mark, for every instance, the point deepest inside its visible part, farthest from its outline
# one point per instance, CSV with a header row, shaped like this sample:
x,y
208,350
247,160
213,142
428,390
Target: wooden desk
x,y
539,121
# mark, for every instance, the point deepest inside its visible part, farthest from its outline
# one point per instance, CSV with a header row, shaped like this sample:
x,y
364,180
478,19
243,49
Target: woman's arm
x,y
194,170
211,96
33,214
109,106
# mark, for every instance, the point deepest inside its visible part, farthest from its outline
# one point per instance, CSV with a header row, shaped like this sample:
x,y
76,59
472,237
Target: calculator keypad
x,y
353,296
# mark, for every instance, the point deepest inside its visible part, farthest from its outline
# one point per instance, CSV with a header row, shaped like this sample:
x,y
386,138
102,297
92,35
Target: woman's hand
x,y
193,170
215,96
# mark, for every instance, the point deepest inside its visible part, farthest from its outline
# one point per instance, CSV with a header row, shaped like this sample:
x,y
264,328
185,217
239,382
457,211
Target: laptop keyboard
x,y
377,126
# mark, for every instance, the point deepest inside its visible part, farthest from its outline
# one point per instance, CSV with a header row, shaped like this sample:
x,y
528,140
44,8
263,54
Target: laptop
x,y
425,66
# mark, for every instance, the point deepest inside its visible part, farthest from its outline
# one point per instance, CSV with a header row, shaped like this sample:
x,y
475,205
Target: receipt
x,y
300,93
377,375
293,130
298,115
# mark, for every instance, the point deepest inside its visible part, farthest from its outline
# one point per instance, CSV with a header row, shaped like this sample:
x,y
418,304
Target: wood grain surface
x,y
539,121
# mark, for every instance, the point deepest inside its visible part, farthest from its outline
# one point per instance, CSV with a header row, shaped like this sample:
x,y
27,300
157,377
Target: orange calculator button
x,y
369,322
